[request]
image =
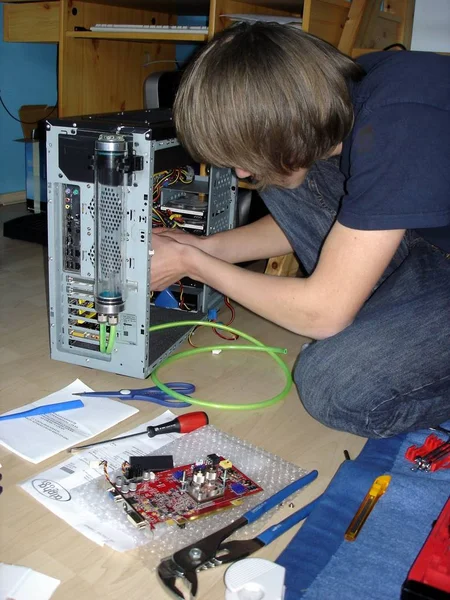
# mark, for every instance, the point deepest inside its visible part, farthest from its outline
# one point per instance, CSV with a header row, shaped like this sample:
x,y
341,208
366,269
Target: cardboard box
x,y
35,175
35,154
31,114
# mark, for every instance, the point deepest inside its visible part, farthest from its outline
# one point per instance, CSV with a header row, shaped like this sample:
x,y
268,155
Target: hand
x,y
181,236
169,262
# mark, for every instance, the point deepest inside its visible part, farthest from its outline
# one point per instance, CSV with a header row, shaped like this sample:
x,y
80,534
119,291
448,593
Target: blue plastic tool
x,y
254,513
151,394
275,531
45,409
166,299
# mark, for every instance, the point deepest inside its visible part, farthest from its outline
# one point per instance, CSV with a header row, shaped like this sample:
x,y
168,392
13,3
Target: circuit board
x,y
184,493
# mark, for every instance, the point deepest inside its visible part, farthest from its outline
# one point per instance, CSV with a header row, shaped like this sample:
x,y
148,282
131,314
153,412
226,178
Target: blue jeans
x,y
389,371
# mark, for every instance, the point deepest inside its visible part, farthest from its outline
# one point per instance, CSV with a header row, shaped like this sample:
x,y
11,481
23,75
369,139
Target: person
x,y
351,159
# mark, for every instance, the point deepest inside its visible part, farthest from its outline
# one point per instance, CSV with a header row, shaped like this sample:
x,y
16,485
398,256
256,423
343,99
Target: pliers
x,y
213,551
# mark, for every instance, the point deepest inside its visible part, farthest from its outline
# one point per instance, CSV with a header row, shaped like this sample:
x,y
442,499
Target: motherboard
x,y
182,494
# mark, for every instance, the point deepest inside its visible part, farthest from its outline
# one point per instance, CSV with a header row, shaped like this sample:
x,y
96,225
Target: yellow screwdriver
x,y
378,488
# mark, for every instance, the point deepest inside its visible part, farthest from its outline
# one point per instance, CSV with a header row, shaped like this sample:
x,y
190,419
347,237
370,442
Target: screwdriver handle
x,y
182,424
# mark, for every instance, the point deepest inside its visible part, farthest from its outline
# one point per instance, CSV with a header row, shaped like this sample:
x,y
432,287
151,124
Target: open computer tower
x,y
110,180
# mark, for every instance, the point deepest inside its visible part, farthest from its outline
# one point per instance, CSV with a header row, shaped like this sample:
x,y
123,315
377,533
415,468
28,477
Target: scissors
x,y
151,394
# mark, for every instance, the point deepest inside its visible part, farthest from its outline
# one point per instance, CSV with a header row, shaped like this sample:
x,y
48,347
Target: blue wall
x,y
185,51
28,75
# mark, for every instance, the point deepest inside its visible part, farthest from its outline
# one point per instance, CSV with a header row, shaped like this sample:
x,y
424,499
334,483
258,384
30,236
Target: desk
x,y
104,72
32,536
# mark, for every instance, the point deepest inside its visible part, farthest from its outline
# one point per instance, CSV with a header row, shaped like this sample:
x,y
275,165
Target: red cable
x,y
217,332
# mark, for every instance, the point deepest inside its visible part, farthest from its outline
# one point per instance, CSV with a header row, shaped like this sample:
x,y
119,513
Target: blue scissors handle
x,y
152,394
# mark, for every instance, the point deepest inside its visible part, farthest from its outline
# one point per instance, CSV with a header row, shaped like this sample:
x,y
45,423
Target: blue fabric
x,y
321,565
389,371
396,158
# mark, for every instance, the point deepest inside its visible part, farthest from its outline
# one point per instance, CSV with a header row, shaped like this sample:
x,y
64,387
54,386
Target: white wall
x,y
431,26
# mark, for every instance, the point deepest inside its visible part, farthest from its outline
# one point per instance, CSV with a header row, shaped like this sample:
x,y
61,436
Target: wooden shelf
x,y
118,63
139,37
37,22
390,17
361,51
192,7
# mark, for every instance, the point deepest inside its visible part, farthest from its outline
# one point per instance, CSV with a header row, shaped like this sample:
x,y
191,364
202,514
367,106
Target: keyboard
x,y
183,29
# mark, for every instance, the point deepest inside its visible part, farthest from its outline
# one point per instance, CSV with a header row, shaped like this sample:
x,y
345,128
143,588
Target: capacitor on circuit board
x,y
183,482
211,474
198,476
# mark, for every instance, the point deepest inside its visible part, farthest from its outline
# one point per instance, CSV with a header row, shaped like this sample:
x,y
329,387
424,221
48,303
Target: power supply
x,y
111,179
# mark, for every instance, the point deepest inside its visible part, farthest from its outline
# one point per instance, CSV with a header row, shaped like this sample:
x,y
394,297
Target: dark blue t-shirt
x,y
397,159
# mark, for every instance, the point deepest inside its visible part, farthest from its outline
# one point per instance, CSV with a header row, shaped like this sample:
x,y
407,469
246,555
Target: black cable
x,y
25,122
396,45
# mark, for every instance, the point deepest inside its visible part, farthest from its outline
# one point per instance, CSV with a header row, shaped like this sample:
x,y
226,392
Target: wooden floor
x,y
32,536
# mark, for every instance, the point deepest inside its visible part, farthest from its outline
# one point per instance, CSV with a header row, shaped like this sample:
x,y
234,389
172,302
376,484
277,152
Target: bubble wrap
x,y
269,471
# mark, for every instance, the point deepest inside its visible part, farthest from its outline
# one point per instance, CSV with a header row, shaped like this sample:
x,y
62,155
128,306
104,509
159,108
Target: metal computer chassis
x,y
152,147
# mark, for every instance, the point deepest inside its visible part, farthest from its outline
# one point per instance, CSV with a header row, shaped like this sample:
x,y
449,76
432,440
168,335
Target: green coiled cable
x,y
258,346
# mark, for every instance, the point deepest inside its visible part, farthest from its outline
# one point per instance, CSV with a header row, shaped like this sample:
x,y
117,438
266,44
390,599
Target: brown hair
x,y
267,98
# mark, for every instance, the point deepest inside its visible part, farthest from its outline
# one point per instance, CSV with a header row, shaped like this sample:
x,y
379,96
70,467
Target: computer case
x,y
102,172
160,88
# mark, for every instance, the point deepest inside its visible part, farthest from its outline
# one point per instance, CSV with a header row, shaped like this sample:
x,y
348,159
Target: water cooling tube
x,y
110,191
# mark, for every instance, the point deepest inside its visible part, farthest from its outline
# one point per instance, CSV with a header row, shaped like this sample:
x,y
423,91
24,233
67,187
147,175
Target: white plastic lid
x,y
254,579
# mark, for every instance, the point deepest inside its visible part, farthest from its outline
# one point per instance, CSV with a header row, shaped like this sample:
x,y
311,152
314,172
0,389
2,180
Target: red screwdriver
x,y
182,424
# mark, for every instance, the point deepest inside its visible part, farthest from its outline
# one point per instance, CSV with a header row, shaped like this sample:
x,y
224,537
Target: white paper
x,y
54,488
22,583
37,438
252,18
